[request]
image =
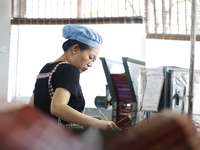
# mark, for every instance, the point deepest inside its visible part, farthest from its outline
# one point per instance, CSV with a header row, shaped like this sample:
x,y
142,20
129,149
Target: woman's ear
x,y
75,48
74,51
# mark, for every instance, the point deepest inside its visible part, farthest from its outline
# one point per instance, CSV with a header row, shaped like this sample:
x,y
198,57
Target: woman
x,y
57,91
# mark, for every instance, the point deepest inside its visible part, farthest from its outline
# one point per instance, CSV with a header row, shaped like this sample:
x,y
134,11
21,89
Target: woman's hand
x,y
107,125
112,125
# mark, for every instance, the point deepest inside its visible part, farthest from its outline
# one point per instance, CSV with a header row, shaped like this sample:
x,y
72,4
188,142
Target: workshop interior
x,y
146,79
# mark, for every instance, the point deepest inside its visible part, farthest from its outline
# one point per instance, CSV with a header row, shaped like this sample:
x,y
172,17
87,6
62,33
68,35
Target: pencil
x,y
104,117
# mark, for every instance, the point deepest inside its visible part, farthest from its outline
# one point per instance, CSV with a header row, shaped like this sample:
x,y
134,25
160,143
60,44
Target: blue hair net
x,y
83,34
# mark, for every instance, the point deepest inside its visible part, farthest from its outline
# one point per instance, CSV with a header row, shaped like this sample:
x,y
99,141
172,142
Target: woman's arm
x,y
31,102
60,109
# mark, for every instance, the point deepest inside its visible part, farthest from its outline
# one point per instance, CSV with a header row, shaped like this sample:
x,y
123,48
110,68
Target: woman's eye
x,y
90,57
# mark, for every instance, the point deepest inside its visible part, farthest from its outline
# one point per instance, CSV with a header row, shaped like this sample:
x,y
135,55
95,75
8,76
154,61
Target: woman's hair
x,y
71,42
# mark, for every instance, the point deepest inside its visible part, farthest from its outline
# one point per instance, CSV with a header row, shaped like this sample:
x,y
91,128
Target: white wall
x,y
171,53
5,26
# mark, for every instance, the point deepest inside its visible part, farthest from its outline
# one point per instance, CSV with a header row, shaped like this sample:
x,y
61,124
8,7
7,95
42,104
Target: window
x,y
76,11
170,19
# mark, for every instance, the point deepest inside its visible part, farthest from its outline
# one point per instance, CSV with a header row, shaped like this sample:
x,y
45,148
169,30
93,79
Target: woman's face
x,y
84,59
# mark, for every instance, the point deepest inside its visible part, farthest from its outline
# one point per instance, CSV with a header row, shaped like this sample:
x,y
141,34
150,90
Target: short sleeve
x,y
68,78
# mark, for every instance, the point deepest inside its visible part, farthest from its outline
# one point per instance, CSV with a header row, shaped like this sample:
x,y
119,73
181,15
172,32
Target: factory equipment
x,y
176,89
175,93
121,89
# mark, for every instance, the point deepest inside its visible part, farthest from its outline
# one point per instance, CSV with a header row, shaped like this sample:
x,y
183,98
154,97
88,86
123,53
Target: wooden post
x,y
192,55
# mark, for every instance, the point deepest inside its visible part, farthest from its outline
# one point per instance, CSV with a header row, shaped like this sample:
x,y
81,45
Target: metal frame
x,y
111,89
126,60
134,103
126,67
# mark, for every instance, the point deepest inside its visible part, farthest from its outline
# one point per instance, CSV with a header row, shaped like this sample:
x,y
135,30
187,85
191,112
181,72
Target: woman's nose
x,y
90,64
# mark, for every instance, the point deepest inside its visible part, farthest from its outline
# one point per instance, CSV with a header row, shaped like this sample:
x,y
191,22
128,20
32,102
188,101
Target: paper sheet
x,y
152,93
